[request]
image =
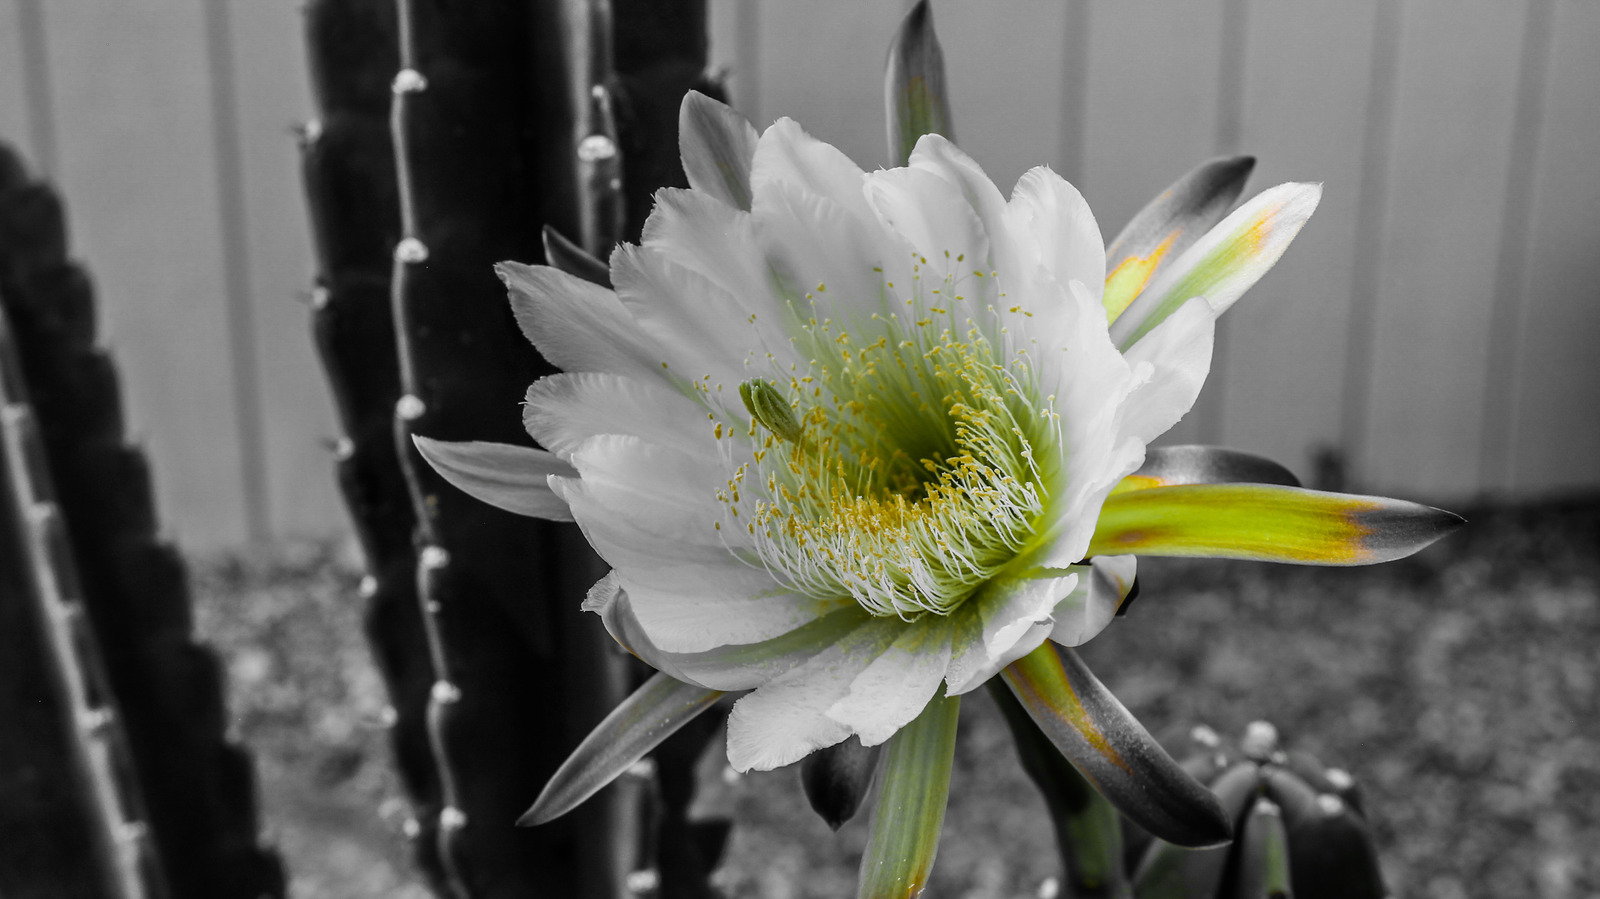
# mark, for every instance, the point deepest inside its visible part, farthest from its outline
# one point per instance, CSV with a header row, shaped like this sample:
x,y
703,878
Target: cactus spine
x,y
199,789
348,169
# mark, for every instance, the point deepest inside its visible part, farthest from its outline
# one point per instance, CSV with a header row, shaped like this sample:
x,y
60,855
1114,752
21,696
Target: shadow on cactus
x,y
855,443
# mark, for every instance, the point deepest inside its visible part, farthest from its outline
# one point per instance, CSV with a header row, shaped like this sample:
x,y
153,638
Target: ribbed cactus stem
x,y
198,787
483,128
58,670
347,159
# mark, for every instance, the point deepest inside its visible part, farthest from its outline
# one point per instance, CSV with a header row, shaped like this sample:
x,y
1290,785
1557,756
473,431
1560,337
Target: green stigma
x,y
767,406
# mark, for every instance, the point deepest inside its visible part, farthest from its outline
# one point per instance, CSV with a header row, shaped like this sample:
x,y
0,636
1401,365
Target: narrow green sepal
x,y
1088,829
1267,523
654,712
916,98
911,800
1112,750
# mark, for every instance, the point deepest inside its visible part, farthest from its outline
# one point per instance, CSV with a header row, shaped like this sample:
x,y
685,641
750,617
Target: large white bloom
x,y
845,436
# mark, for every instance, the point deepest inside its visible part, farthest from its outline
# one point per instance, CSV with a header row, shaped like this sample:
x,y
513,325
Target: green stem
x,y
911,802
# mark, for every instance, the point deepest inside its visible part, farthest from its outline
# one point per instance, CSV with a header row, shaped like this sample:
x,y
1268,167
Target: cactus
x,y
482,126
349,176
199,788
1300,829
62,728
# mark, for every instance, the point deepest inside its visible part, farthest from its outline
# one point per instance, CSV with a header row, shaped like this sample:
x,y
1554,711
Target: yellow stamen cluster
x,y
919,464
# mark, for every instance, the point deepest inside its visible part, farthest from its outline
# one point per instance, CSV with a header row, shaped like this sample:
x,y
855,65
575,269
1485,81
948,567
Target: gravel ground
x,y
1458,686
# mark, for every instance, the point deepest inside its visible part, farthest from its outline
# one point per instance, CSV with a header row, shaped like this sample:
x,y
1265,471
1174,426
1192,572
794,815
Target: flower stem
x,y
911,802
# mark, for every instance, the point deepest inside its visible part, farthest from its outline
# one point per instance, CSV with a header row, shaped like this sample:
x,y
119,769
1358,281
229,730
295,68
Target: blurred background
x,y
1430,334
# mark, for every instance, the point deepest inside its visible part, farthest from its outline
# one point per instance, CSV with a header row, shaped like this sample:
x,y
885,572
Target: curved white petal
x,y
1176,357
1057,218
740,666
1000,617
933,216
704,333
826,263
1094,601
563,410
577,325
787,718
786,154
893,690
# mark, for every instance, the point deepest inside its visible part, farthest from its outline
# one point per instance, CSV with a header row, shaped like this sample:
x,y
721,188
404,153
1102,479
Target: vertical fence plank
x,y
1152,109
13,82
1303,116
1452,141
1556,433
236,282
1006,65
273,96
137,166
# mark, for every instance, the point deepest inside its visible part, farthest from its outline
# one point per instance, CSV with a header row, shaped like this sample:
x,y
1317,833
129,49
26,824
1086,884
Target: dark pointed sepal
x,y
835,779
654,712
916,98
1170,466
1112,750
567,256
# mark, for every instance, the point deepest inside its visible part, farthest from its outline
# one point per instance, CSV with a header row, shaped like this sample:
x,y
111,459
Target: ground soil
x,y
1459,687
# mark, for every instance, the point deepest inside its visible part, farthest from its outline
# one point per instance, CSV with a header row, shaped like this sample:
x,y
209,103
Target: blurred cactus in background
x,y
1299,829
110,589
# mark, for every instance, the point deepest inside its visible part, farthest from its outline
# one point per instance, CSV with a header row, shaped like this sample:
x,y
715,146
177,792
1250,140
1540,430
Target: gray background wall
x,y
1437,322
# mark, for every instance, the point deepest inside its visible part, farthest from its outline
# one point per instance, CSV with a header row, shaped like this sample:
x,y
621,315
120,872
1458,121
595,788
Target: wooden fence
x,y
1436,325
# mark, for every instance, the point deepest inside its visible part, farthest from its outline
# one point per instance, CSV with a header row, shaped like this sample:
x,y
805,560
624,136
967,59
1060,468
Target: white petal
x,y
786,719
786,154
1178,355
936,221
732,667
1055,214
577,325
828,263
513,478
563,410
655,484
1095,600
1093,382
1001,616
717,146
702,330
893,690
1014,254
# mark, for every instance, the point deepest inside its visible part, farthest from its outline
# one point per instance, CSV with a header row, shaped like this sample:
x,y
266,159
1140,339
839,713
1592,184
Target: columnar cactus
x,y
62,728
199,788
1299,829
348,166
483,133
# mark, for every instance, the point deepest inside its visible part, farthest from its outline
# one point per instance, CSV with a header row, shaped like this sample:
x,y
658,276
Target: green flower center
x,y
904,471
